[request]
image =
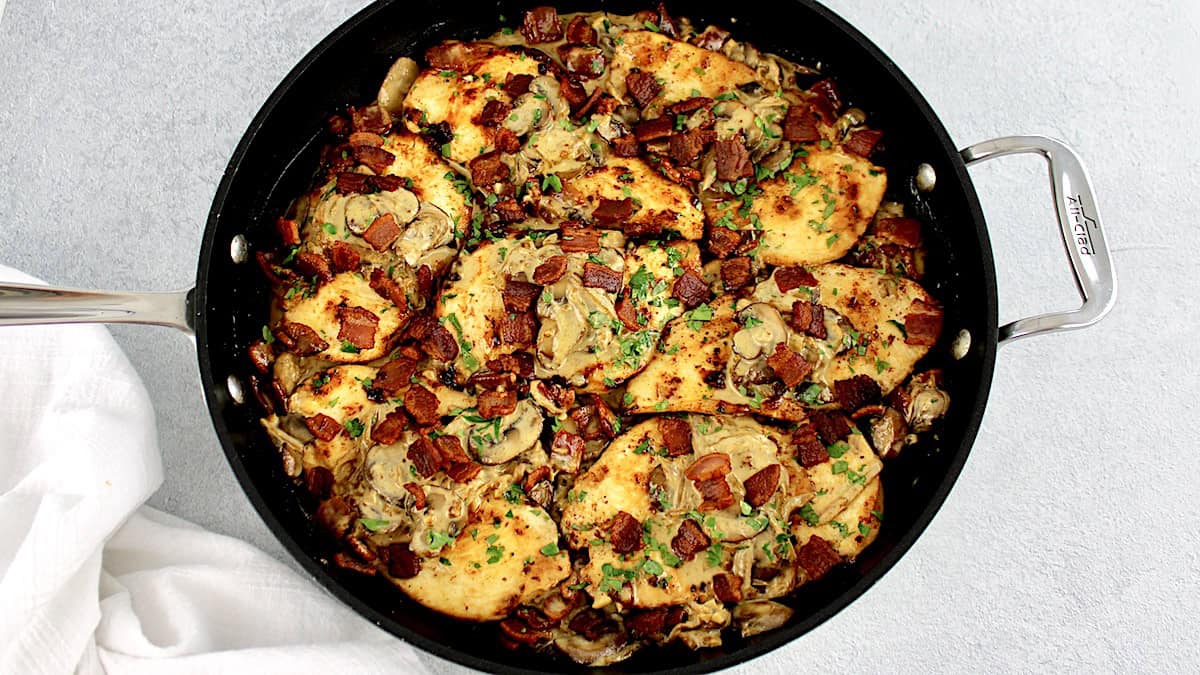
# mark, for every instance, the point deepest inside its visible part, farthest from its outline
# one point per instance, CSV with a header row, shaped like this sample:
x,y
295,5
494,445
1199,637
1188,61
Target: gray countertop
x,y
1068,542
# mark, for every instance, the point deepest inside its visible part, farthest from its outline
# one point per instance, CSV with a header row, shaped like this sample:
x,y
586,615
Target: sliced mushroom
x,y
759,616
517,432
887,428
360,211
430,230
926,402
388,470
399,80
603,651
762,329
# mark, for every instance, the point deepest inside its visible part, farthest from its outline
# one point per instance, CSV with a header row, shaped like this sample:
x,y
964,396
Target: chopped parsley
x,y
373,524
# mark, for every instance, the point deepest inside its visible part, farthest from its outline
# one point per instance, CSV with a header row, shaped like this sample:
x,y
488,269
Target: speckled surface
x,y
1068,542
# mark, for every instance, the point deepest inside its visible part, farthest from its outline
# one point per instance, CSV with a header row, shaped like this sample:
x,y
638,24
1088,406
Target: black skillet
x,y
278,156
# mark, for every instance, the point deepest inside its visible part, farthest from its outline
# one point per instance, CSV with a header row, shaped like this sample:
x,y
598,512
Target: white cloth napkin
x,y
90,582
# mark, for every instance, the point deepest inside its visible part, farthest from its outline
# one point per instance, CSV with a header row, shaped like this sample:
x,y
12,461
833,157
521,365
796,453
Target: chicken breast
x,y
657,201
325,312
684,70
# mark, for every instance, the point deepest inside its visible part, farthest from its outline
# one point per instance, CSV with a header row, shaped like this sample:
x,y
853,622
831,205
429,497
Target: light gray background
x,y
1069,542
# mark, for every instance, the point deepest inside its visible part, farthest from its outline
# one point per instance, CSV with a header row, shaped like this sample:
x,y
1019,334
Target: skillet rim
x,y
765,643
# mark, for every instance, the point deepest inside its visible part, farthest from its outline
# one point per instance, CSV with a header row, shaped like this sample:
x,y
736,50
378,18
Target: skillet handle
x,y
1079,218
37,305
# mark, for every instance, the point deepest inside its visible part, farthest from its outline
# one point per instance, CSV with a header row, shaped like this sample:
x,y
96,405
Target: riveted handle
x,y
37,305
1079,219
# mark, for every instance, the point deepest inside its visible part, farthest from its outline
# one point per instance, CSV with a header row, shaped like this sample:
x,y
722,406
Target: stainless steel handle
x,y
1079,219
34,305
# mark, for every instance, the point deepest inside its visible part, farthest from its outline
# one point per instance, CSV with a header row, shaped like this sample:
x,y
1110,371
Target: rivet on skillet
x,y
961,344
235,389
239,250
926,177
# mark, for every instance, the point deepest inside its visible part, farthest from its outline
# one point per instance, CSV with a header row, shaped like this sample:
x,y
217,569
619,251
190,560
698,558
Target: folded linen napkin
x,y
91,580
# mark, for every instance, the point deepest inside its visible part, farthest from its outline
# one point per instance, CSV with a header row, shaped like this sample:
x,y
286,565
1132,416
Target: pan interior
x,y
278,156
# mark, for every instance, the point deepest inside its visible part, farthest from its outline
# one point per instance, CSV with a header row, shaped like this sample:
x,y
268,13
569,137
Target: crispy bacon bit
x,y
592,624
441,345
323,426
712,465
810,451
509,210
686,147
733,160
691,290
375,159
862,142
808,317
574,93
365,138
382,232
762,485
488,169
628,312
550,271
318,481
817,557
516,85
520,363
647,622
584,62
923,324
494,113
387,287
831,426
736,273
314,265
715,493
580,240
463,472
351,182
644,227
519,295
722,241
826,101
643,87
626,146
395,374
338,124
563,397
652,130
518,329
451,449
261,355
422,404
289,231
357,326
418,494
390,429
425,456
625,533
787,278
402,563
904,232
345,258
387,183
420,328
534,477
606,419
506,140
579,32
689,540
727,587
492,404
300,339
856,392
567,448
689,105
677,436
788,365
368,118
602,277
541,25
800,126
484,379
611,211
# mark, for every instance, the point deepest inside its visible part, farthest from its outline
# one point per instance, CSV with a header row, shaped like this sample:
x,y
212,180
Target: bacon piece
x,y
338,125
611,211
923,324
574,92
727,587
722,241
541,25
648,622
358,326
422,404
904,232
463,472
368,118
652,130
762,485
686,147
319,482
643,227
808,317
677,436
261,355
862,142
788,365
628,313
420,328
580,240
566,451
518,329
520,363
365,138
351,182
451,449
492,404
563,397
289,231
418,494
395,374
691,290
827,101
516,85
387,183
425,456
689,540
534,477
389,430
314,265
626,146
300,339
712,465
382,232
387,287
643,87
602,277
323,426
488,169
800,126
494,113
402,563
488,380
787,278
506,140
831,426
856,392
592,624
509,210
584,62
689,105
441,345
579,32
345,258
375,159
550,271
736,273
810,451
715,493
625,533
817,557
733,160
519,295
